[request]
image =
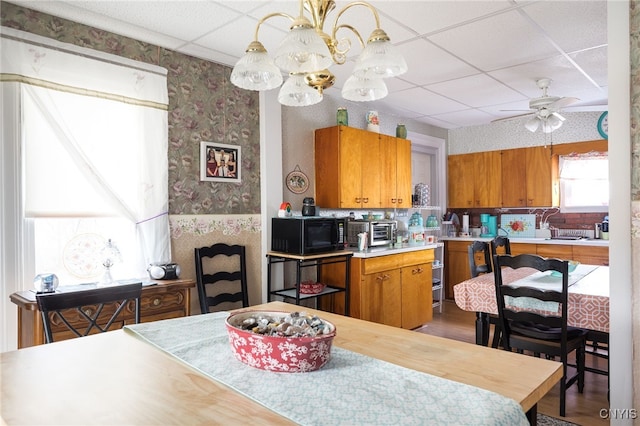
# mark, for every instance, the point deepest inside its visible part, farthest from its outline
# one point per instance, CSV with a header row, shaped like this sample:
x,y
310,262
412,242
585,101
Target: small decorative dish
x,y
311,287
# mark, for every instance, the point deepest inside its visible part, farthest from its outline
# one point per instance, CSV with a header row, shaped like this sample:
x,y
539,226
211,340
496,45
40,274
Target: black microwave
x,y
307,235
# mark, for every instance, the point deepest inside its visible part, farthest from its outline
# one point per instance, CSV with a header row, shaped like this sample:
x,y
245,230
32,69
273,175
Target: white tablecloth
x,y
351,389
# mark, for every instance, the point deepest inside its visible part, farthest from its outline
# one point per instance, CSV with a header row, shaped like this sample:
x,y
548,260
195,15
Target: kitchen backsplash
x,y
553,217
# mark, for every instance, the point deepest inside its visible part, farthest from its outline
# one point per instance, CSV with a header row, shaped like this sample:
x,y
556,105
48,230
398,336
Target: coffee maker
x,y
308,207
488,225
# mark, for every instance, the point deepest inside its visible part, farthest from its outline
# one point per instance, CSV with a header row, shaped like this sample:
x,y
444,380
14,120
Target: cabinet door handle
x,y
365,200
156,301
358,200
417,270
399,200
393,200
382,277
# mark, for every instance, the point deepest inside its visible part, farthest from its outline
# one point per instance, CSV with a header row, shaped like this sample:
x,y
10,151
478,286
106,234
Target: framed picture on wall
x,y
220,162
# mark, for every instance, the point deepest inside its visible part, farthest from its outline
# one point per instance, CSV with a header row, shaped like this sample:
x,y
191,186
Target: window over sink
x,y
584,182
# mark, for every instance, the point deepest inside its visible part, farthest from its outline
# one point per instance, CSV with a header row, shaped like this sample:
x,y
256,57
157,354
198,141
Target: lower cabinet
x,y
394,289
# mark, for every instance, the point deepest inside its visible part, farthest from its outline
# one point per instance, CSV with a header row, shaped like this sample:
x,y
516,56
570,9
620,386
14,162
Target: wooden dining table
x,y
588,304
119,378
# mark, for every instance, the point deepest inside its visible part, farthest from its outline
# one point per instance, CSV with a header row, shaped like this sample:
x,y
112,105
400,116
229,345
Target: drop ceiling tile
x,y
573,26
429,64
594,63
482,43
476,90
198,17
469,117
236,41
423,101
425,17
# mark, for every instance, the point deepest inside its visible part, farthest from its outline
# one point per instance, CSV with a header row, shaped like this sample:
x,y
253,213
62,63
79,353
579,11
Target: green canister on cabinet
x,y
342,117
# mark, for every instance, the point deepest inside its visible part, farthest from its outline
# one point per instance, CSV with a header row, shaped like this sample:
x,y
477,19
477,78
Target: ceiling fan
x,y
546,109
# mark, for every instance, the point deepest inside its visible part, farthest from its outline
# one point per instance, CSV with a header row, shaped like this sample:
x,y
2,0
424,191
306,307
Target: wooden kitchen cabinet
x,y
395,187
473,180
166,299
361,170
530,177
460,181
591,255
456,264
542,177
417,295
394,289
559,251
514,176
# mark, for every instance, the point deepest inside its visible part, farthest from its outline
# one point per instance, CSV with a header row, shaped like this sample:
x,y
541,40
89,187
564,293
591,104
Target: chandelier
x,y
306,53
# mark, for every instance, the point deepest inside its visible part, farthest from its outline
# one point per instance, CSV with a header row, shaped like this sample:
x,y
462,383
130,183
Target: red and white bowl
x,y
278,353
311,287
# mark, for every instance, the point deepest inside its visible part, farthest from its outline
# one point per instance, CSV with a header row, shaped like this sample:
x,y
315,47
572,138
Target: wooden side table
x,y
163,300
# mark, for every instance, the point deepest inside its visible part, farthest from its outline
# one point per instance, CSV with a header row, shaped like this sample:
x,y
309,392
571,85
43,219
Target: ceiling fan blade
x,y
513,116
561,118
562,102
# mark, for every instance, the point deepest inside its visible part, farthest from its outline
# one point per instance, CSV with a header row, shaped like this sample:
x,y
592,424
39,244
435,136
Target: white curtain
x,y
105,139
584,182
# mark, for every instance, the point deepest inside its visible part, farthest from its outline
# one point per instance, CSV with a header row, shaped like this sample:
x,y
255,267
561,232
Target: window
x,y
84,160
584,183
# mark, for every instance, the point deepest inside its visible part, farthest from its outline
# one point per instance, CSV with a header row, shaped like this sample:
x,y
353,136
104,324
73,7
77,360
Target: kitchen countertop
x,y
387,250
584,242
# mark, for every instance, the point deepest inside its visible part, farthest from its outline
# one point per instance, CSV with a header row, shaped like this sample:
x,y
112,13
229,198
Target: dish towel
x,y
350,389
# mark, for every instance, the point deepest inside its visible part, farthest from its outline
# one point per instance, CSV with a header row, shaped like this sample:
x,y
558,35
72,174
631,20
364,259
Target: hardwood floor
x,y
582,409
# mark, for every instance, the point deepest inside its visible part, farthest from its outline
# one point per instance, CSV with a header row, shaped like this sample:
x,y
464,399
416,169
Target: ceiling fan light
x,y
380,59
532,124
296,92
303,50
362,90
256,71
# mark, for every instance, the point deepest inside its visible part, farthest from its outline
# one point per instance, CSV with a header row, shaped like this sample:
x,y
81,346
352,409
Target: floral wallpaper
x,y
203,106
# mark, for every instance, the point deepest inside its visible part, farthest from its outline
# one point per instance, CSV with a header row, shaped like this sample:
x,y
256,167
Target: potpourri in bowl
x,y
280,341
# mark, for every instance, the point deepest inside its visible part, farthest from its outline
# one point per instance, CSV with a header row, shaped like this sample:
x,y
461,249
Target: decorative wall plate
x,y
297,182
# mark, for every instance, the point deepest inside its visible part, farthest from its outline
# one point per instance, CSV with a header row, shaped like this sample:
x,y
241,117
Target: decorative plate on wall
x,y
297,182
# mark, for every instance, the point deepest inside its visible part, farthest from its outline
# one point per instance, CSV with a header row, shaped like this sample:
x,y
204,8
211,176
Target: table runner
x,y
545,280
350,389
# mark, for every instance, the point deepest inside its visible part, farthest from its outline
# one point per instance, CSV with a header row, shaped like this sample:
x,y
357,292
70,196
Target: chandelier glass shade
x,y
256,70
364,89
307,52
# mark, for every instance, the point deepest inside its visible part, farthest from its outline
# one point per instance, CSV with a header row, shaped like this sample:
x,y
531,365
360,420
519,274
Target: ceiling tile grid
x,y
470,62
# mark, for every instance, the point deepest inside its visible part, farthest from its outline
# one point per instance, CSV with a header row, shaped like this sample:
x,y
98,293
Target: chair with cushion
x,y
90,311
221,279
528,326
480,263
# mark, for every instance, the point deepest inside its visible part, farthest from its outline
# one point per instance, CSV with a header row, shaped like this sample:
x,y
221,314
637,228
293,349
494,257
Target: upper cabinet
x,y
474,180
530,177
362,170
523,177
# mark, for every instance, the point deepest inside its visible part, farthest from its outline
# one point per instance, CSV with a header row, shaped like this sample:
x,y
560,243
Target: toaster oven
x,y
379,232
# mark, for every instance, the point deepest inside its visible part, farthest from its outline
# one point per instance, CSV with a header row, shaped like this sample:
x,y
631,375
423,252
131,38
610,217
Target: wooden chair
x,y
83,312
500,245
479,258
480,263
215,279
541,332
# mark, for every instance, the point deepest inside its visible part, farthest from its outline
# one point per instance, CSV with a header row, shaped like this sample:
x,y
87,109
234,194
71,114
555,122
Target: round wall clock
x,y
603,125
